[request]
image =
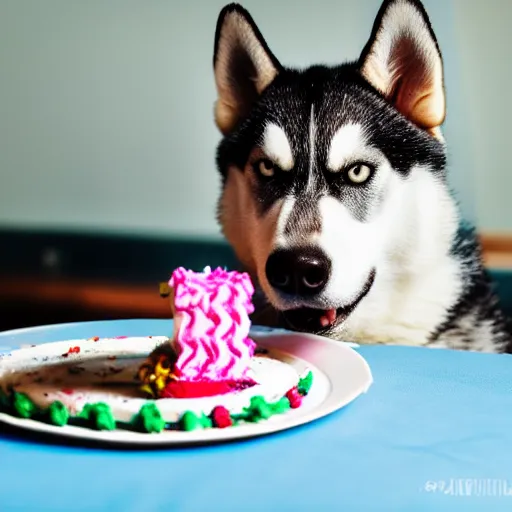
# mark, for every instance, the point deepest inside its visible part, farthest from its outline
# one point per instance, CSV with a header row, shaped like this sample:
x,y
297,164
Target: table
x,y
433,433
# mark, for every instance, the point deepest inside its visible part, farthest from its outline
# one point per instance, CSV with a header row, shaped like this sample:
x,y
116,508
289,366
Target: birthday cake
x,y
210,351
208,374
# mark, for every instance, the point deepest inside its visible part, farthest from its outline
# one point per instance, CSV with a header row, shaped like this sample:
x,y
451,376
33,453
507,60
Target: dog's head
x,y
315,162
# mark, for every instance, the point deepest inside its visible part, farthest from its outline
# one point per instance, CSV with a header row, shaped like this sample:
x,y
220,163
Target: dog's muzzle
x,y
321,321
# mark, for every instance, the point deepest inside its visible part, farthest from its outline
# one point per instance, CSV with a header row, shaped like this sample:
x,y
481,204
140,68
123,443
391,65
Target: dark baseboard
x,y
102,257
53,277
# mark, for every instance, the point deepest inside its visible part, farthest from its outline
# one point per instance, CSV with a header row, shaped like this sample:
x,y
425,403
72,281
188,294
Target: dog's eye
x,y
359,173
266,167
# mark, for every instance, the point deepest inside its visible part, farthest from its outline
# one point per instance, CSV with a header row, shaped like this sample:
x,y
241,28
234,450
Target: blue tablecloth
x,y
433,433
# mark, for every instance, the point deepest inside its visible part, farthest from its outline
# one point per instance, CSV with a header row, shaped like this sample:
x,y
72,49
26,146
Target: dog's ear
x,y
243,66
403,61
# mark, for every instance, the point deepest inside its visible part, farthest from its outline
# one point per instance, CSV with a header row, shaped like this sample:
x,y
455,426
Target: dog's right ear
x,y
243,66
403,61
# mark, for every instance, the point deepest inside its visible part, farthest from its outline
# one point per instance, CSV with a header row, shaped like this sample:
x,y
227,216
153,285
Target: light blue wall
x,y
482,30
106,106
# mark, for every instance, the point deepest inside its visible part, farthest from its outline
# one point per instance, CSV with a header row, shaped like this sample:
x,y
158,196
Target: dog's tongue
x,y
329,318
310,320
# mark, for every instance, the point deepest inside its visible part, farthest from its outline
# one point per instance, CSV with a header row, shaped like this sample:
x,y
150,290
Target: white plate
x,y
340,375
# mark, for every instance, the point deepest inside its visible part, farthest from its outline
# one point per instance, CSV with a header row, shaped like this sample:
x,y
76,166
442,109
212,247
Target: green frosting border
x,y
149,419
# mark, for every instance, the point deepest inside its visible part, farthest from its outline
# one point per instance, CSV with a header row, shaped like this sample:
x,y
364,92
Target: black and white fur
x,y
347,164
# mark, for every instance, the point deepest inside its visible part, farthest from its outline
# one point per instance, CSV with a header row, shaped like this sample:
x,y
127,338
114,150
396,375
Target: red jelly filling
x,y
199,389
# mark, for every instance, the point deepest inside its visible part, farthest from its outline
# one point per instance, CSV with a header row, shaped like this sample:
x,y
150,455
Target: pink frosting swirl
x,y
212,324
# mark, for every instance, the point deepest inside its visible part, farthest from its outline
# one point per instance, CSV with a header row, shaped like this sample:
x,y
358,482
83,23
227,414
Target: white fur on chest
x,y
418,280
405,310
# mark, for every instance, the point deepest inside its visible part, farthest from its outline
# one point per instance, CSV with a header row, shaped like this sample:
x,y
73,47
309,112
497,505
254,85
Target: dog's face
x,y
315,163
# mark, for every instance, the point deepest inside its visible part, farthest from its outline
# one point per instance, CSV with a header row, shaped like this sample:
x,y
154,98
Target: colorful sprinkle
x,y
23,405
221,417
258,409
189,421
294,397
58,414
281,405
305,383
72,350
206,422
150,418
100,415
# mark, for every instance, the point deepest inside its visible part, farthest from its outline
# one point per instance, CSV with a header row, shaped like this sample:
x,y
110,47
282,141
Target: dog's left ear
x,y
243,65
403,61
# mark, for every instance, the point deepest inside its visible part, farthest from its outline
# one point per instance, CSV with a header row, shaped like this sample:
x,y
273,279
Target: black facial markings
x,y
339,95
358,199
304,218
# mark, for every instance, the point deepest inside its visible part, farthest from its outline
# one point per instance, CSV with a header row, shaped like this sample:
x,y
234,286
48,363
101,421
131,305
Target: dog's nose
x,y
298,271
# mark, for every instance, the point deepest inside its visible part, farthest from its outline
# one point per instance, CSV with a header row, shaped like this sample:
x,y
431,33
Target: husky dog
x,y
334,189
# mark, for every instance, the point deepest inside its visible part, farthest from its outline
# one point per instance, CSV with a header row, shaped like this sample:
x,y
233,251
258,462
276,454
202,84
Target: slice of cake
x,y
90,383
210,351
